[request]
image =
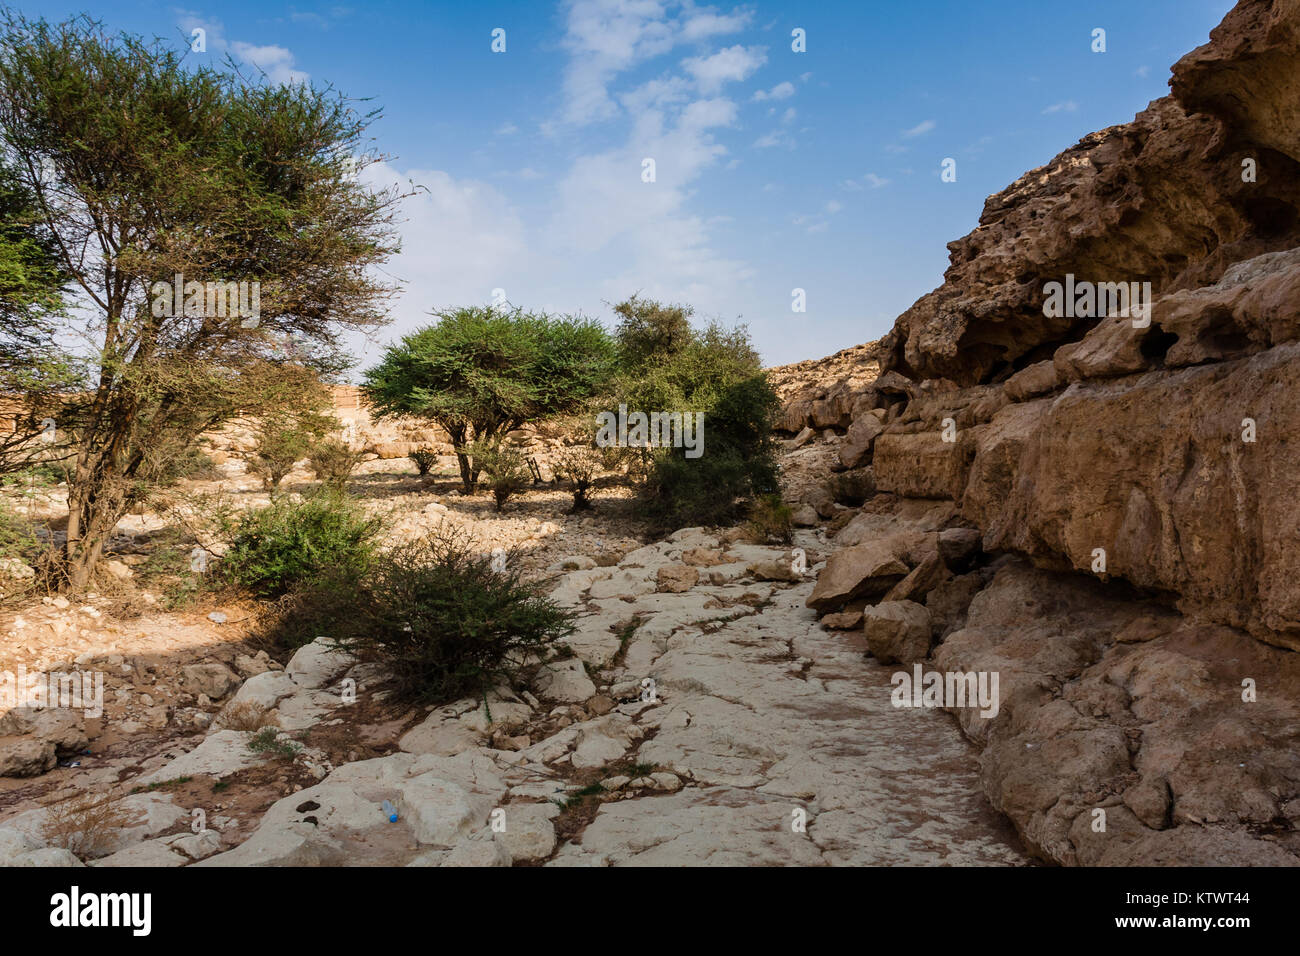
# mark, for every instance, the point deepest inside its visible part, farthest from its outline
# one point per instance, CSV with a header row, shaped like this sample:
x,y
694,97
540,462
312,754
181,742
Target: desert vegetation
x,y
236,182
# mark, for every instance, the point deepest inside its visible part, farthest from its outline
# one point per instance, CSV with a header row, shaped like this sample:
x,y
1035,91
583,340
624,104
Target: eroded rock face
x,y
1131,557
1161,199
1115,704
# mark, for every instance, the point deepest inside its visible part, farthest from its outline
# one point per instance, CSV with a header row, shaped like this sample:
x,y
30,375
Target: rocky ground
x,y
703,716
1093,519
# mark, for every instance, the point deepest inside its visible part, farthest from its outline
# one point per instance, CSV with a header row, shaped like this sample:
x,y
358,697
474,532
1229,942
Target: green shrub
x,y
425,459
770,520
440,619
578,465
334,462
282,441
289,542
21,551
648,331
738,460
18,539
43,475
503,468
670,367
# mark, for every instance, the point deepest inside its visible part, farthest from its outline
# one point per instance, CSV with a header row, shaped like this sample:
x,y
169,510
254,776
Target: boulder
x,y
897,632
855,450
211,678
565,682
529,834
860,571
676,578
958,546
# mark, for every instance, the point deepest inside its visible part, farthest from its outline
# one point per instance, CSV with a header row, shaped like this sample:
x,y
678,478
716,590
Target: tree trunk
x,y
468,475
96,503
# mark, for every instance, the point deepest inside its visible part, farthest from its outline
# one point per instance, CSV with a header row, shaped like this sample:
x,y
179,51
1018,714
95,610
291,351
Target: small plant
x,y
278,547
17,537
770,519
442,619
163,785
86,824
425,459
282,441
579,465
503,467
578,797
268,741
334,462
245,715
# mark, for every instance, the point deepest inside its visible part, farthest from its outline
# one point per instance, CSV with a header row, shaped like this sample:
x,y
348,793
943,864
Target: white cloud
x,y
1067,106
599,232
870,179
919,129
778,137
507,129
460,240
702,24
779,92
322,21
1142,71
214,29
657,94
609,233
703,114
732,64
834,206
604,38
274,61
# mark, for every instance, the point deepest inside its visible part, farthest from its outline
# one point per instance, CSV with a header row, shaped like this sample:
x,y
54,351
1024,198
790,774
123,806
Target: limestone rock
x,y
860,571
855,450
674,579
565,682
211,678
897,632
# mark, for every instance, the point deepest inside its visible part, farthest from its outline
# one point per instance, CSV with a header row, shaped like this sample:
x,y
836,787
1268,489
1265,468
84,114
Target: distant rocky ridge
x,y
1132,487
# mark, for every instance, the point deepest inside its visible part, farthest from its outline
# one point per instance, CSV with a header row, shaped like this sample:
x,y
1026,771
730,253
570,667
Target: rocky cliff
x,y
1131,477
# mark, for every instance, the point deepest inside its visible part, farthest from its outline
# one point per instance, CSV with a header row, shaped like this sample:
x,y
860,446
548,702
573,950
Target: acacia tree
x,y
649,331
479,372
143,168
31,296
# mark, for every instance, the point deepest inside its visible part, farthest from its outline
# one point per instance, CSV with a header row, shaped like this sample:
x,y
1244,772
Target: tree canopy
x,y
480,371
144,171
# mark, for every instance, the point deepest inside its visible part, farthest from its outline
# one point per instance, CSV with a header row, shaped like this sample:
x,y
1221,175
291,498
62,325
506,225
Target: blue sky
x,y
774,170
